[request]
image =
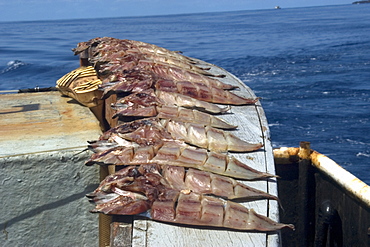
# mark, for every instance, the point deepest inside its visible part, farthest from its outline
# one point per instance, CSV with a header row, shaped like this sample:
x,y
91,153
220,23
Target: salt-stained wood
x,y
41,122
252,127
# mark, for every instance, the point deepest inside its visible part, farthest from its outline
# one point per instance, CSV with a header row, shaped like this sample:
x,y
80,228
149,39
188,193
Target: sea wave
x,y
357,142
274,124
13,65
363,154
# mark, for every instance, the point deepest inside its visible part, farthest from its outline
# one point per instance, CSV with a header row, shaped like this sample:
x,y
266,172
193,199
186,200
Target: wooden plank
x,y
39,122
252,126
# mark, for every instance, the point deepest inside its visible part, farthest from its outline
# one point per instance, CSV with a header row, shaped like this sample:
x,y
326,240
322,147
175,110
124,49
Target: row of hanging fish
x,y
173,156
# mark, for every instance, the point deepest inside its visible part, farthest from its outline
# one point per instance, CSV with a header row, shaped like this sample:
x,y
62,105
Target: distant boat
x,y
277,7
359,2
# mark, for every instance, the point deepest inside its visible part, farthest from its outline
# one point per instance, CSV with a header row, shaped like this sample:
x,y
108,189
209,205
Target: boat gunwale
x,y
356,187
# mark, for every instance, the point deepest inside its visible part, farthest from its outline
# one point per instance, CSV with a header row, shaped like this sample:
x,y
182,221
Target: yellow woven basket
x,y
82,85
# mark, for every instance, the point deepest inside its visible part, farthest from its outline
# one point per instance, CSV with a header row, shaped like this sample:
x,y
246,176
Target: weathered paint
x,y
347,180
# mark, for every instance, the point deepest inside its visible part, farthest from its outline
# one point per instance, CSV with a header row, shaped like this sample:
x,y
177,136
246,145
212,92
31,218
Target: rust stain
x,y
67,113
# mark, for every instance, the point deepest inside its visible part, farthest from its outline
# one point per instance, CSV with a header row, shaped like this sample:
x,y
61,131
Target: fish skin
x,y
172,153
151,178
169,202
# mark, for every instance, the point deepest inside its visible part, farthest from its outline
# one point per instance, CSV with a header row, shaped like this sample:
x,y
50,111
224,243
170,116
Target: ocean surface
x,y
310,66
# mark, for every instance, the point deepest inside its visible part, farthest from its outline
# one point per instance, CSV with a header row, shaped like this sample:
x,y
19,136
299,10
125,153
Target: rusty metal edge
x,y
345,179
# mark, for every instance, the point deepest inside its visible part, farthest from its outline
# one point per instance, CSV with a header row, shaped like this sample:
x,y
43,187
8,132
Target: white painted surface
x,y
347,180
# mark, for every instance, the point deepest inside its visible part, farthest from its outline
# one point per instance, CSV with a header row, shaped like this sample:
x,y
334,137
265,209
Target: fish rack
x,y
252,126
119,199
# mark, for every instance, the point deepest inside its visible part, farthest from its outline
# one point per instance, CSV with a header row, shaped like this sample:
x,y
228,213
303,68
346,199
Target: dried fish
x,y
138,80
164,198
151,131
203,92
175,166
181,179
107,45
150,98
110,51
189,102
207,137
174,154
146,104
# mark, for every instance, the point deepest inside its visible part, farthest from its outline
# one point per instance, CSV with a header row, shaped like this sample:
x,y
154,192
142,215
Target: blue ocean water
x,y
311,66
